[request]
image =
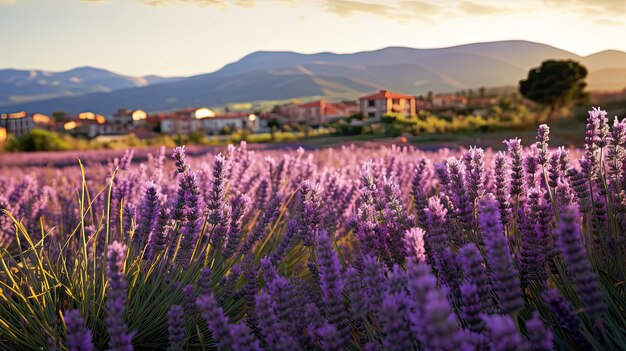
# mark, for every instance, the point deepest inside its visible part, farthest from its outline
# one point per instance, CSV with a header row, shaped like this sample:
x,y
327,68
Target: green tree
x,y
38,140
556,84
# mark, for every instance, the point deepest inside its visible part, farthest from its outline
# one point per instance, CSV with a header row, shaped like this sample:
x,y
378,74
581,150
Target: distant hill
x,y
24,86
267,75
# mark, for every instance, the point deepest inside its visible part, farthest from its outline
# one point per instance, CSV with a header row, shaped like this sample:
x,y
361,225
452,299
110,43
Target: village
x,y
219,122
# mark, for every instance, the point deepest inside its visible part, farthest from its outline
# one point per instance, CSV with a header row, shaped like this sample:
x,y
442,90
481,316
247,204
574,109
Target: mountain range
x,y
279,75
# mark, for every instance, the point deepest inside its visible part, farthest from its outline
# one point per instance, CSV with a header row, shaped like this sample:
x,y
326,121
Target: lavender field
x,y
346,248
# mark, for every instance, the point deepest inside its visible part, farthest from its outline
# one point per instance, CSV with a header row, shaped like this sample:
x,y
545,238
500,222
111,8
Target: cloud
x,y
346,8
399,11
603,12
472,8
218,3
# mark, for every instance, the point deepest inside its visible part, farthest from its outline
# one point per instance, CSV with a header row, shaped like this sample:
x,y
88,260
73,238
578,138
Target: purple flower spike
x,y
176,328
475,273
356,289
503,335
543,133
119,338
332,284
517,175
217,321
501,182
583,278
539,335
78,337
414,243
504,275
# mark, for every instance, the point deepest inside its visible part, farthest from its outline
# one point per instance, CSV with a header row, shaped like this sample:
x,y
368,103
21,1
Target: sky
x,y
187,37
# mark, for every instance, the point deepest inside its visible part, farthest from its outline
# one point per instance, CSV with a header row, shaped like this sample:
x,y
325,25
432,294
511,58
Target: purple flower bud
x,y
271,328
332,285
584,279
432,318
515,156
149,214
501,180
204,281
420,199
394,321
502,334
356,290
461,199
285,243
216,320
474,172
308,212
543,133
239,208
182,166
331,338
269,215
581,187
78,337
176,328
539,335
243,339
375,284
563,313
119,339
414,243
475,273
471,308
504,275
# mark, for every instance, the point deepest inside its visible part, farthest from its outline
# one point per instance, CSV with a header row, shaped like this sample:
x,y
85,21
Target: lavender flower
x,y
308,212
515,156
583,278
420,199
375,284
216,320
461,199
356,290
192,218
395,323
239,208
243,339
503,335
432,318
182,166
270,327
474,172
149,214
539,336
78,337
119,338
269,215
542,138
176,328
331,284
471,307
475,274
581,187
285,243
563,313
501,181
414,243
504,275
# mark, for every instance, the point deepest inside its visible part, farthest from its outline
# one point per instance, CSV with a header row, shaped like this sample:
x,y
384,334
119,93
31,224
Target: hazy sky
x,y
184,37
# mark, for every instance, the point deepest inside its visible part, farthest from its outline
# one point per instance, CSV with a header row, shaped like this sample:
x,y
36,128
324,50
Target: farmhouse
x,y
385,102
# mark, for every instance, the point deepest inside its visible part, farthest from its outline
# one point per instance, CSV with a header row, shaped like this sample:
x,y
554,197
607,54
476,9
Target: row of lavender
x,y
338,249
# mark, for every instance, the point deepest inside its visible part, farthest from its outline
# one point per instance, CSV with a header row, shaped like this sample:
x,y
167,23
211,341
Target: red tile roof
x,y
384,94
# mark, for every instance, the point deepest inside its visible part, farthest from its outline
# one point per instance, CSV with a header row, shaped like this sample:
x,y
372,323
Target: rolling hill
x,y
267,75
25,86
